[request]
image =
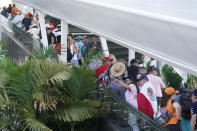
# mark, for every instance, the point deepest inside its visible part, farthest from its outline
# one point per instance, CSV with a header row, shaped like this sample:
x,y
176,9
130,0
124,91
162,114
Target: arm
x,y
178,110
102,75
193,122
122,83
18,22
162,85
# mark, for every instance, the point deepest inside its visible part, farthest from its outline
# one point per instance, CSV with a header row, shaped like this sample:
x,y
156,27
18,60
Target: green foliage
x,y
191,82
44,90
77,106
30,121
90,56
80,83
148,64
45,53
171,77
3,45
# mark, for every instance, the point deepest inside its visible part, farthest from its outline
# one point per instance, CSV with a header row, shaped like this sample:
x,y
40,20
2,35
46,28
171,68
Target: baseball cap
x,y
169,91
182,90
151,68
29,13
141,77
195,92
78,37
133,61
84,37
129,78
108,59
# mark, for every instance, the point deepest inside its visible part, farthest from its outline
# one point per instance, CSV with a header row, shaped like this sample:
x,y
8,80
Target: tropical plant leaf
x,y
20,83
44,53
90,56
171,77
30,122
77,110
191,82
50,72
80,83
47,75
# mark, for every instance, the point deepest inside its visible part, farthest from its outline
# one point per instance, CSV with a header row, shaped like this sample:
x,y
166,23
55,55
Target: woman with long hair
x,y
168,102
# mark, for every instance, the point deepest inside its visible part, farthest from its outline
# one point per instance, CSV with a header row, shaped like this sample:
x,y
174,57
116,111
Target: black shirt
x,y
133,71
9,9
49,36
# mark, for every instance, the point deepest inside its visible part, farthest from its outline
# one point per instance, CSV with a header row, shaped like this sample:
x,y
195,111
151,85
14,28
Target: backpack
x,y
162,116
185,102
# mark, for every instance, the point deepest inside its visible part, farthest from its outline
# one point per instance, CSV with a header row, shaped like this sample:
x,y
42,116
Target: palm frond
x,y
80,83
7,64
77,110
30,122
44,53
171,77
90,56
49,71
47,75
7,111
191,82
20,83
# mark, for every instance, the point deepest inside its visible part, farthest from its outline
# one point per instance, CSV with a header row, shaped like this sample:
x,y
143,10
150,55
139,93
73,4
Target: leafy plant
x,y
90,56
148,64
45,53
45,90
191,82
171,77
77,89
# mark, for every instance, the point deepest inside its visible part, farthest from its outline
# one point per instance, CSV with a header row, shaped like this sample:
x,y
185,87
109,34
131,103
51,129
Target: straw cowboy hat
x,y
118,69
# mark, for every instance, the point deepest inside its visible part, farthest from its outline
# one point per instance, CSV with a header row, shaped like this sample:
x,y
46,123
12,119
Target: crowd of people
x,y
146,91
140,87
76,47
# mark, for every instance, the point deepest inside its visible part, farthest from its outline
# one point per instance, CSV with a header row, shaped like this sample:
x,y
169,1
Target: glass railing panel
x,y
124,116
22,36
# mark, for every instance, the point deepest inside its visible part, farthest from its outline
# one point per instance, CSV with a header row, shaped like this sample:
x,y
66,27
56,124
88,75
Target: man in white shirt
x,y
34,31
156,81
147,89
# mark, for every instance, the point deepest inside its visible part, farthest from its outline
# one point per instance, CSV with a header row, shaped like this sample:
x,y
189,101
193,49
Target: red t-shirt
x,y
101,70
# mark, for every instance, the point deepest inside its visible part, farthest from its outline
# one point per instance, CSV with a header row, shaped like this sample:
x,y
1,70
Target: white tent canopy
x,y
163,29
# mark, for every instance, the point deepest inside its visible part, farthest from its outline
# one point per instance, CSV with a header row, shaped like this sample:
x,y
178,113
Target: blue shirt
x,y
80,45
194,108
4,13
27,23
177,98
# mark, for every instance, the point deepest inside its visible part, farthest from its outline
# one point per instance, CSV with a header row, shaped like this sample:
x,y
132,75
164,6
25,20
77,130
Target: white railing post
x,y
104,46
64,33
131,55
43,29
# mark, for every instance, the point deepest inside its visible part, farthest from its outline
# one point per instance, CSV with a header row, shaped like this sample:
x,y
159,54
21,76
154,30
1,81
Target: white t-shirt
x,y
34,32
149,92
72,52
